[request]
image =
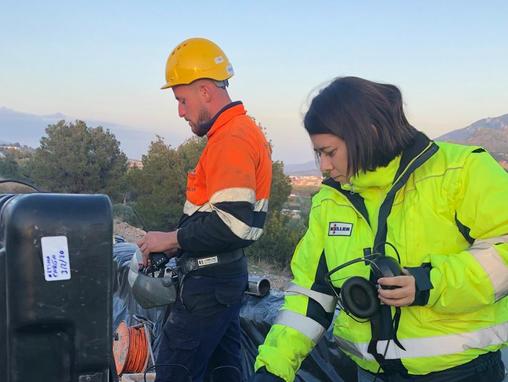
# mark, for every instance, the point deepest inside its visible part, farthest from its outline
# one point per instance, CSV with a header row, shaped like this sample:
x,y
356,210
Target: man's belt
x,y
187,264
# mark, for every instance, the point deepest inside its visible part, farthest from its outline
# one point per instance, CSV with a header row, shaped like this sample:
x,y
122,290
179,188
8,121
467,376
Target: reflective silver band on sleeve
x,y
238,194
325,300
190,208
305,325
485,253
261,205
234,194
238,227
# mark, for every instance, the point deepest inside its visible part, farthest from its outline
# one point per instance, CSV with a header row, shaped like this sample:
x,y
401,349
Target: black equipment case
x,y
55,288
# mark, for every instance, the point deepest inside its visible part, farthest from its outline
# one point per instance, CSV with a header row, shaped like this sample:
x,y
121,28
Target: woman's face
x,y
332,154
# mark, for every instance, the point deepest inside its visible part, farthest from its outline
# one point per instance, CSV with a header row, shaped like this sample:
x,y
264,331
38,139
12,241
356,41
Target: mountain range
x,y
27,129
490,133
302,169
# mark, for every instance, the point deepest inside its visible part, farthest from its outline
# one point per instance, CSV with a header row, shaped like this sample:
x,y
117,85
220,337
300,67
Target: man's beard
x,y
202,125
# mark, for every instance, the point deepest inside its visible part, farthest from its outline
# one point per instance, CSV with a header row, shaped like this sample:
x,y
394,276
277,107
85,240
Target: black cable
x,y
393,322
391,245
386,350
20,182
366,259
384,356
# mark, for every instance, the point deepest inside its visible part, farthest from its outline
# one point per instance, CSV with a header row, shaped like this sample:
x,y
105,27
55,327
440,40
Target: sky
x,y
105,60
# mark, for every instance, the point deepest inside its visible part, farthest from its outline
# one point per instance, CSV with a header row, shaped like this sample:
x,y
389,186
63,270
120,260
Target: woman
x,y
439,209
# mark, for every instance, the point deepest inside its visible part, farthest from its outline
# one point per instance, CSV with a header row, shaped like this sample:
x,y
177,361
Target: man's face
x,y
191,106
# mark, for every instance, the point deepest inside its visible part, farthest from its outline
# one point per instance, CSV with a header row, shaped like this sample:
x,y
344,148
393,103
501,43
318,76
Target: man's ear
x,y
205,92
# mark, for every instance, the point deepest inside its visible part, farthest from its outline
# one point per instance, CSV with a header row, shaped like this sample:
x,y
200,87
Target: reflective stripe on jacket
x,y
450,213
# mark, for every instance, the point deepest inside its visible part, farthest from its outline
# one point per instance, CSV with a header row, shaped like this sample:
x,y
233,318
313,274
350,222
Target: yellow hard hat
x,y
196,58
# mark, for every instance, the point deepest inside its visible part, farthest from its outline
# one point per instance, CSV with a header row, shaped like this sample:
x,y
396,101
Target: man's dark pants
x,y
201,338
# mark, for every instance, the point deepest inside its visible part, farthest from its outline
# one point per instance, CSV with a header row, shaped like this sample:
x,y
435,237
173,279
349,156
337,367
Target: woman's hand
x,y
398,290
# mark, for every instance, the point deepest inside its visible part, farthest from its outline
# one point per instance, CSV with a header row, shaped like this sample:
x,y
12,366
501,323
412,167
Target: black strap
x,y
464,230
396,321
381,331
422,150
383,327
186,264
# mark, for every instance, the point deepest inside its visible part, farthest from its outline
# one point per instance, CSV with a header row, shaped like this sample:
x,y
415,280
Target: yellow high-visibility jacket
x,y
445,208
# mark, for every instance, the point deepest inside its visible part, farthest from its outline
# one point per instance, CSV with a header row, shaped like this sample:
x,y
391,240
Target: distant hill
x,y
490,133
27,129
302,169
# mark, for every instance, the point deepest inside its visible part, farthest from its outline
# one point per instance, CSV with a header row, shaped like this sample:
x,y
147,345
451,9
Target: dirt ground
x,y
129,233
278,280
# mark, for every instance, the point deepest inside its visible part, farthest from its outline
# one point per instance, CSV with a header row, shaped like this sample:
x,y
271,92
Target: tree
x,y
190,151
9,168
278,242
281,187
75,158
13,161
280,234
159,187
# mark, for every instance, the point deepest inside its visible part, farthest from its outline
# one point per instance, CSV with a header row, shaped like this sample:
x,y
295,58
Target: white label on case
x,y
55,258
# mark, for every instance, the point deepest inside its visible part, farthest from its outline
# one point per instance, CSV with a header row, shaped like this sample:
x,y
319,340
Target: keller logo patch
x,y
340,229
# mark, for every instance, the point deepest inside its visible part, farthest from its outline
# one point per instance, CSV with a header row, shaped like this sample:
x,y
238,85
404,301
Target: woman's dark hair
x,y
367,115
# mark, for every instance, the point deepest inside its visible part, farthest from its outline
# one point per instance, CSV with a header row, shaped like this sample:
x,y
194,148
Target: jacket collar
x,y
224,115
421,149
381,178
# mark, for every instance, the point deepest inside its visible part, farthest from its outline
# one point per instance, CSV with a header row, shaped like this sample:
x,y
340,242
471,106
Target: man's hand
x,y
156,241
403,290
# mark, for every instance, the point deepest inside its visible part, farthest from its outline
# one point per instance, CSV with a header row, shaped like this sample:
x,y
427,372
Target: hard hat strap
x,y
222,84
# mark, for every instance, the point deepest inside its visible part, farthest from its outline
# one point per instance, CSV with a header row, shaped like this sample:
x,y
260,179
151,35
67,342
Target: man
x,y
227,200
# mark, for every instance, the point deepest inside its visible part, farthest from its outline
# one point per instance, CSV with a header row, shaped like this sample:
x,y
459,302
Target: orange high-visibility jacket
x,y
227,193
